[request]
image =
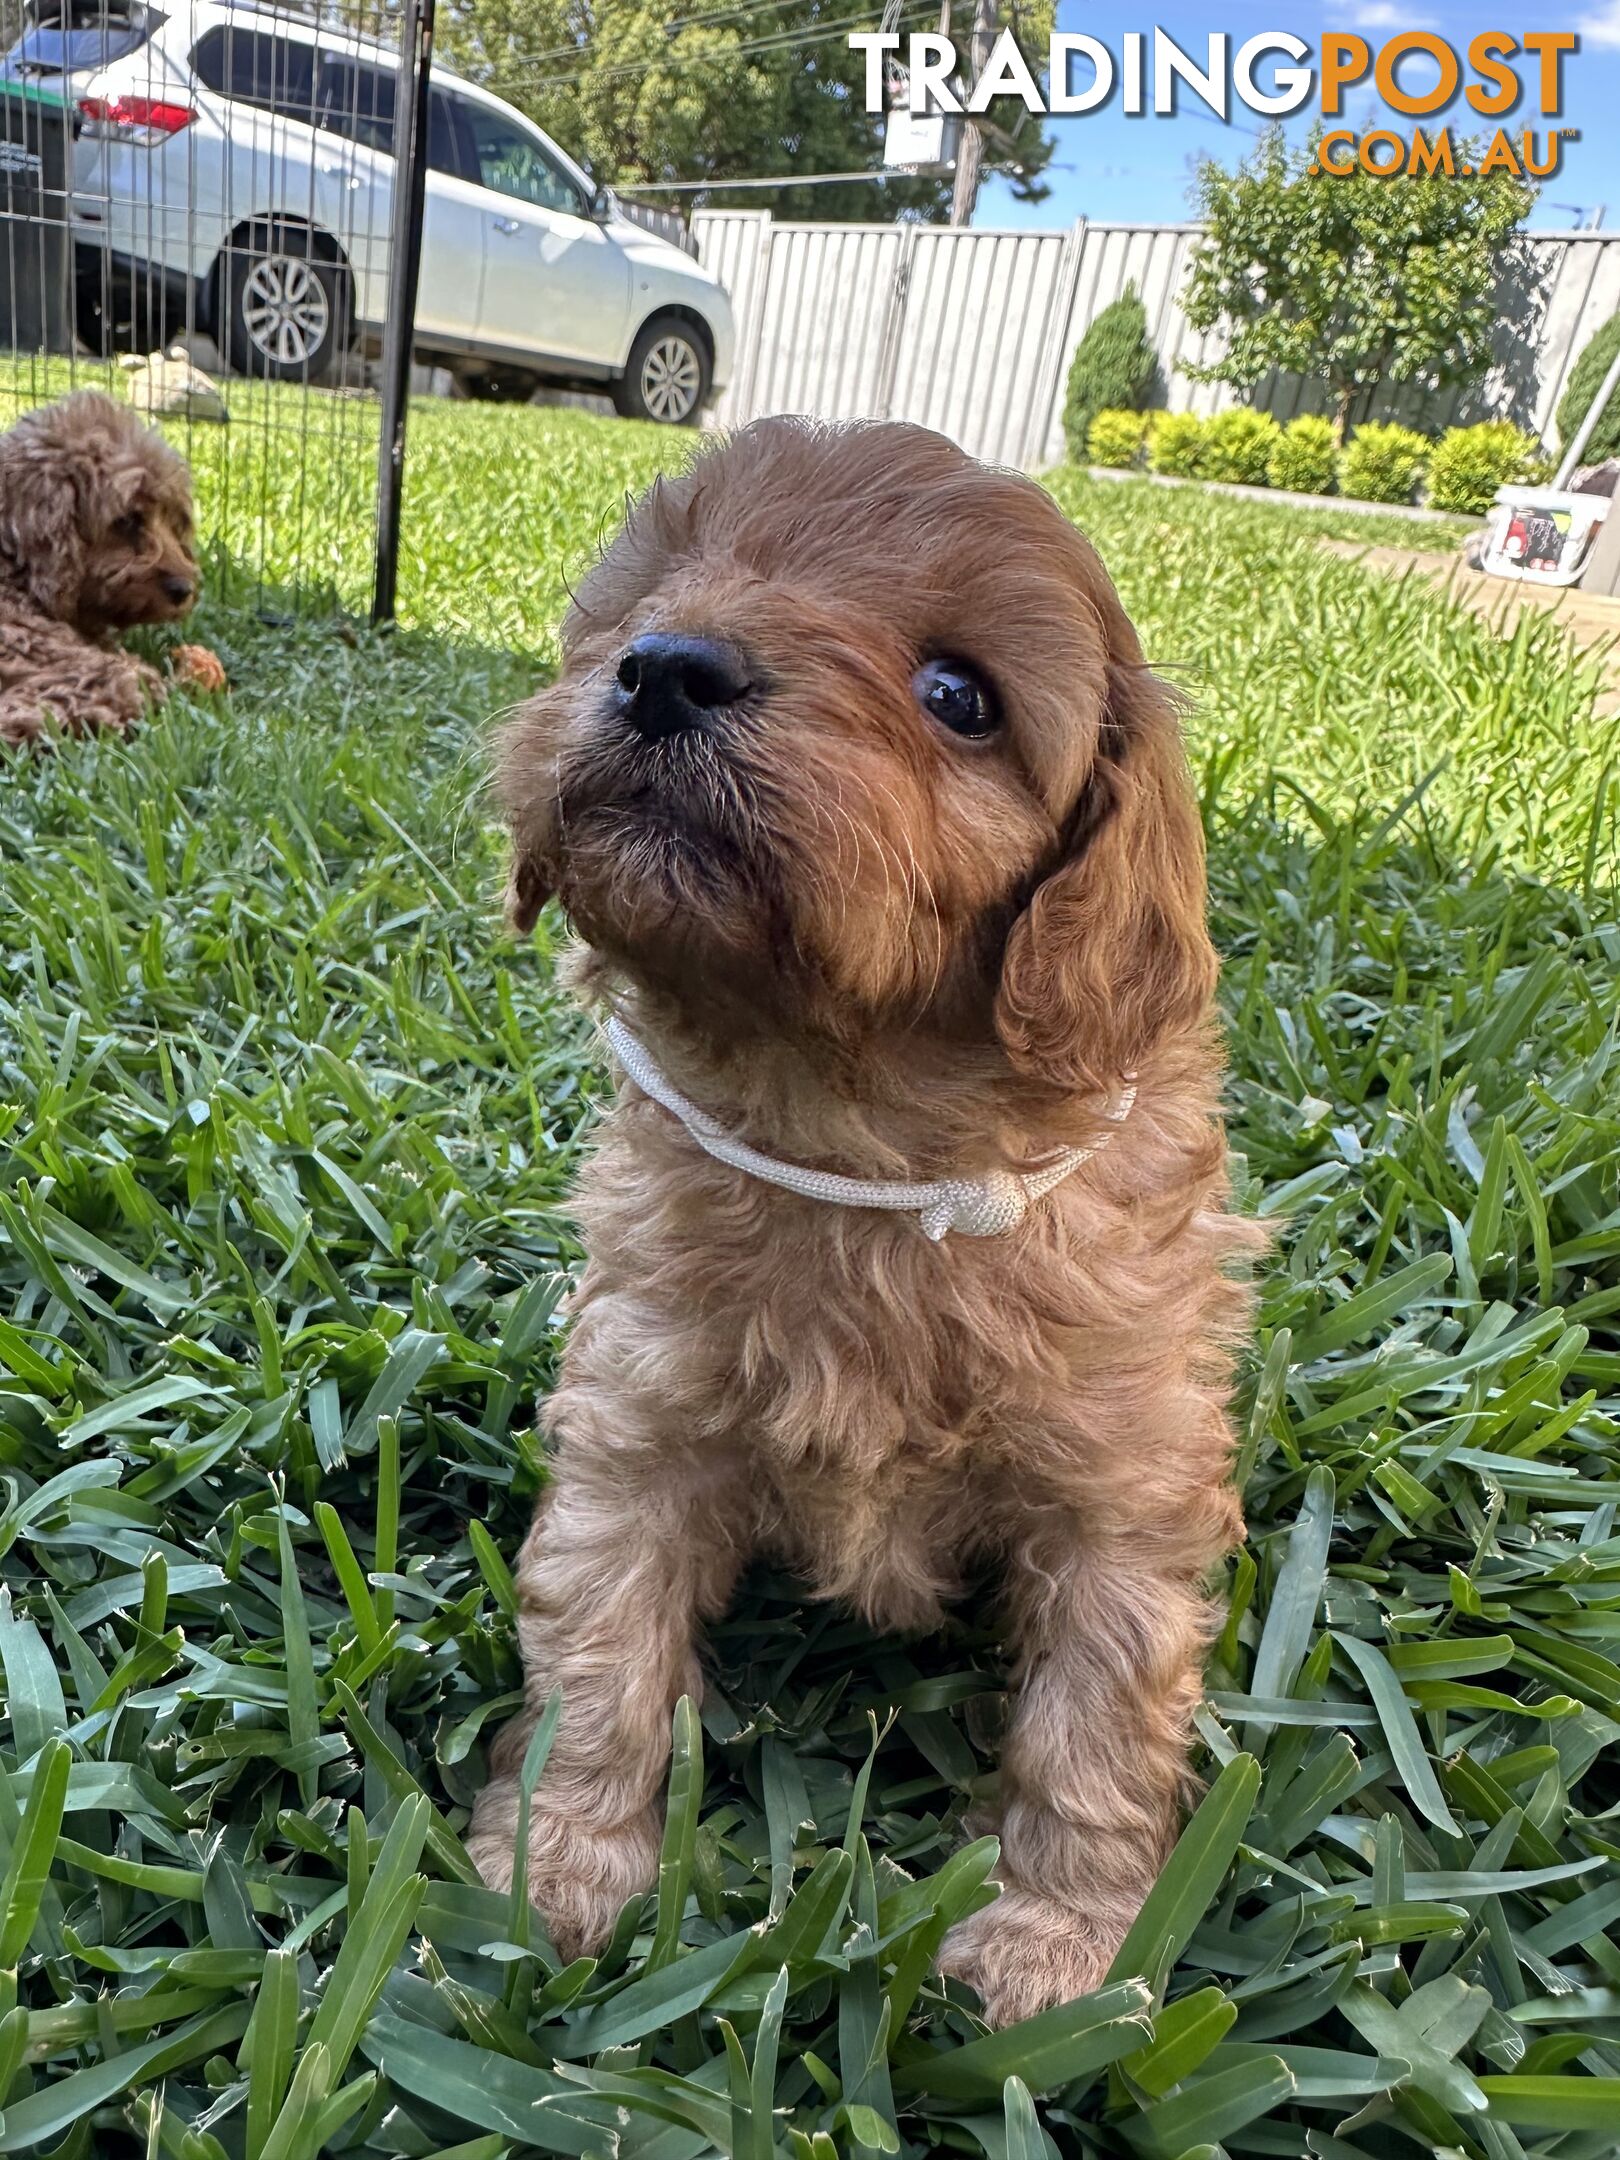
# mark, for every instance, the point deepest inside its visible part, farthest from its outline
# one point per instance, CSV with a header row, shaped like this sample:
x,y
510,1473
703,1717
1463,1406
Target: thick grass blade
x,y
680,1833
1400,1730
1191,1876
1296,1598
23,1886
1025,2140
483,2091
1059,2048
662,1996
268,2047
1554,2103
1212,2108
1184,2034
56,2107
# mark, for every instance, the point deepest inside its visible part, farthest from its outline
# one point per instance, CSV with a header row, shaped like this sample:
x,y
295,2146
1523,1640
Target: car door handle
x,y
508,224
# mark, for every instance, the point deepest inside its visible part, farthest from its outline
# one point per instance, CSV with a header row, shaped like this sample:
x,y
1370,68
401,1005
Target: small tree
x,y
1585,381
1114,369
1356,280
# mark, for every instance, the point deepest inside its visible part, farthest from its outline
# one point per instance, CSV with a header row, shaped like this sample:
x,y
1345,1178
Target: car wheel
x,y
286,309
667,377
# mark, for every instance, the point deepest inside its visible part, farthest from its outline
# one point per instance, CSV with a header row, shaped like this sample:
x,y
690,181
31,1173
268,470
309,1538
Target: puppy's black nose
x,y
670,681
176,589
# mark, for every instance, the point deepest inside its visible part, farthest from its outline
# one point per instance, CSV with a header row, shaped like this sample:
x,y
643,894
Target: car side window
x,y
446,131
277,74
512,162
357,102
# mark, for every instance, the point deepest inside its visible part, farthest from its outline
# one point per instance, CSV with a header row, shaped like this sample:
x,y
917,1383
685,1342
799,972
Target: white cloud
x,y
1602,26
1382,15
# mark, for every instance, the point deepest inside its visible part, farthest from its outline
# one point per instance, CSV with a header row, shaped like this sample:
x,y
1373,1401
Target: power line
x,y
709,58
587,39
713,57
782,180
719,14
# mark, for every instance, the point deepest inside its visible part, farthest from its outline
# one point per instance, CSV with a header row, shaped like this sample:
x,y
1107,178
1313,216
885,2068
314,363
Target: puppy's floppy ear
x,y
42,546
1112,951
528,888
526,782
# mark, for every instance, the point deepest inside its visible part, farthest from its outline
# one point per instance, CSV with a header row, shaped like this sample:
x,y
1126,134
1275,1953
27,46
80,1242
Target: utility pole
x,y
970,144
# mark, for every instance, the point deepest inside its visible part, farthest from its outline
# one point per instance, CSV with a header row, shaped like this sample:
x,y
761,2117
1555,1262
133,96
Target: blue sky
x,y
1137,170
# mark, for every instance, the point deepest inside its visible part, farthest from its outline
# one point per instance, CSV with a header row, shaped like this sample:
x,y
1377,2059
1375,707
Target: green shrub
x,y
1237,446
1116,438
1585,381
1382,463
1469,464
1114,369
1305,455
1175,445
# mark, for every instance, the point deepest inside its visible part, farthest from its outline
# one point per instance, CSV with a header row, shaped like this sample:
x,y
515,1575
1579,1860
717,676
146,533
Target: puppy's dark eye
x,y
958,697
131,525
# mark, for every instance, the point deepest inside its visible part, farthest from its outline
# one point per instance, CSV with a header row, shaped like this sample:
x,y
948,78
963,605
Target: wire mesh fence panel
x,y
197,203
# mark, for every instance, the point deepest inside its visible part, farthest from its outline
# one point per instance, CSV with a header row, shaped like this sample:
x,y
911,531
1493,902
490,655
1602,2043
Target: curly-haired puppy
x,y
95,537
878,834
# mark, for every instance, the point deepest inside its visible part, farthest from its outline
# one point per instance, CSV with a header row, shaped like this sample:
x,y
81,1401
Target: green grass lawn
x,y
287,1124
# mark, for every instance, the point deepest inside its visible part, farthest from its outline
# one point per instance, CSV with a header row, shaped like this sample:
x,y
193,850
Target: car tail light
x,y
134,119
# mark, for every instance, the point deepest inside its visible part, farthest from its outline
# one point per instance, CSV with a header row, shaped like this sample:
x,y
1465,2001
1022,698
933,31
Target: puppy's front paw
x,y
579,1873
1024,1953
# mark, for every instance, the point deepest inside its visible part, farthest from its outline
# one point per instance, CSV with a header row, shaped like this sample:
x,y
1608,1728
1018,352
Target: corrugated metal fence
x,y
972,332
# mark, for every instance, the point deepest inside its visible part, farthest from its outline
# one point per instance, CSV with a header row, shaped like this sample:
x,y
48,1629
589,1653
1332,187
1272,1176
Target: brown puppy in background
x,y
95,537
878,834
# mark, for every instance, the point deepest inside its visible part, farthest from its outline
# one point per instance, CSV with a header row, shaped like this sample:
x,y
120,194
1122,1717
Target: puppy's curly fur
x,y
95,537
866,944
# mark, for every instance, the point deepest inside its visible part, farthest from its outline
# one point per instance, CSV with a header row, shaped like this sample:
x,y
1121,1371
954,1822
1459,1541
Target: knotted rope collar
x,y
987,1206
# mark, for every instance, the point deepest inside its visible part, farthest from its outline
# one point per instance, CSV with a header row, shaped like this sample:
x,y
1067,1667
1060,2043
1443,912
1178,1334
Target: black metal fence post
x,y
405,262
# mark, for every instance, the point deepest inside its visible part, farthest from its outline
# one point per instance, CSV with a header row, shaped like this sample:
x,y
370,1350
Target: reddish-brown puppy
x,y
95,537
878,835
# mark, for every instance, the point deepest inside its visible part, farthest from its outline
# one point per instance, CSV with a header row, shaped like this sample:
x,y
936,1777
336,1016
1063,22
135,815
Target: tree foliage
x,y
649,91
1585,381
1354,281
1115,369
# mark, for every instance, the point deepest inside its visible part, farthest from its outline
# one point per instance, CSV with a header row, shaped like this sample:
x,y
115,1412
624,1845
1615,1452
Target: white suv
x,y
233,169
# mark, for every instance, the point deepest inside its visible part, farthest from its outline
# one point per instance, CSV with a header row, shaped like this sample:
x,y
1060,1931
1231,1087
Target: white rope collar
x,y
985,1206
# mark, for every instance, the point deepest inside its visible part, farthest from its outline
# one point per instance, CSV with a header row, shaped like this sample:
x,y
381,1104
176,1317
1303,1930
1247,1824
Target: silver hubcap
x,y
670,379
285,309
